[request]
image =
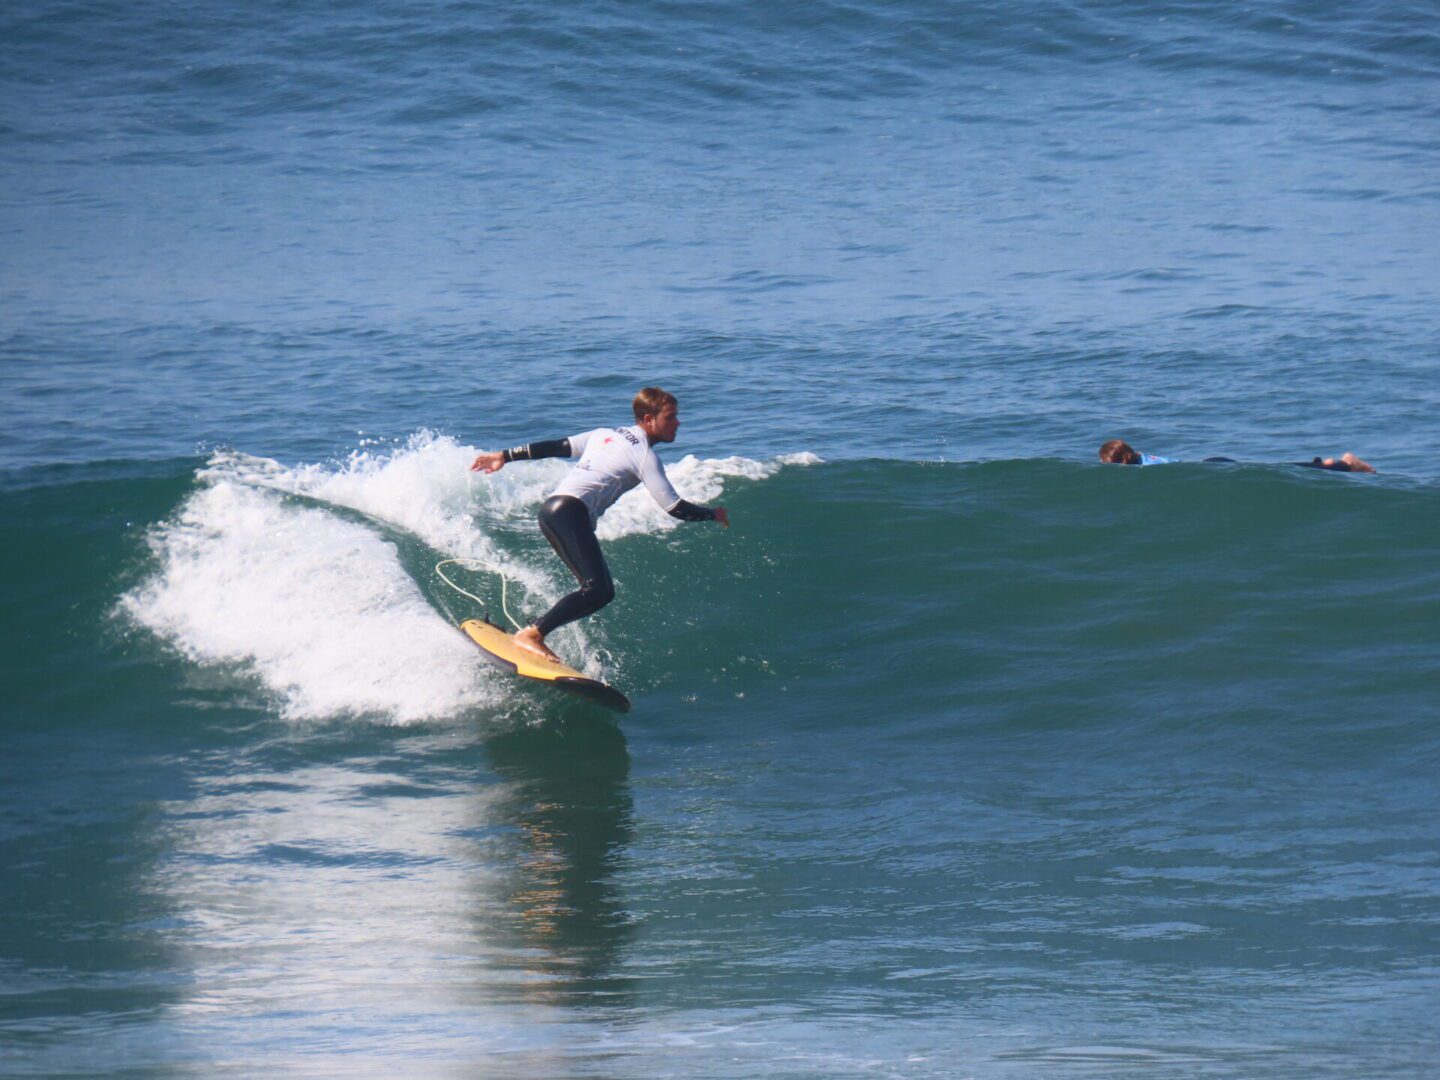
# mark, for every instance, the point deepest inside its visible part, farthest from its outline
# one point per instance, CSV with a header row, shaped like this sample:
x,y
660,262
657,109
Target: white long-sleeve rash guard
x,y
612,461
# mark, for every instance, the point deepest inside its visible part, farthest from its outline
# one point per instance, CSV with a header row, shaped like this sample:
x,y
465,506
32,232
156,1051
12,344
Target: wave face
x,y
1085,585
972,741
1036,576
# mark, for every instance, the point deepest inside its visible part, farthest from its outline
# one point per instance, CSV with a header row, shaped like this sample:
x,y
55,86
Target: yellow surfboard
x,y
500,649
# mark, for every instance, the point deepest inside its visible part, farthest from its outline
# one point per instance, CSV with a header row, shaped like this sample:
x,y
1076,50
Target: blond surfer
x,y
612,461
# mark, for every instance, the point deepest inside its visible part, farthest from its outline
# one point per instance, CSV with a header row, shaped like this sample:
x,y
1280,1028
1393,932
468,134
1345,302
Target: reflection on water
x,y
317,887
569,799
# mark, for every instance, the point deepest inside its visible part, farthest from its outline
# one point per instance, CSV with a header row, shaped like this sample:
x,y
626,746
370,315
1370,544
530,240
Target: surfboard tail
x,y
598,692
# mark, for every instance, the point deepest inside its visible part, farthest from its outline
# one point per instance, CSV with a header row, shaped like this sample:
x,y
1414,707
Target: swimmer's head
x,y
1119,452
651,402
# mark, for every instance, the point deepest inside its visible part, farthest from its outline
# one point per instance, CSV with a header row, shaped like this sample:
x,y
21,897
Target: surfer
x,y
612,461
1119,452
1346,462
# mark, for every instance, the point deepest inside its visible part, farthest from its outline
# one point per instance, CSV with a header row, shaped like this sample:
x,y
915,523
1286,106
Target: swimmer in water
x,y
1346,462
1119,452
612,461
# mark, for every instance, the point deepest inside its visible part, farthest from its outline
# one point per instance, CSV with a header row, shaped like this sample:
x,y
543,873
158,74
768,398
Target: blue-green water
x,y
960,755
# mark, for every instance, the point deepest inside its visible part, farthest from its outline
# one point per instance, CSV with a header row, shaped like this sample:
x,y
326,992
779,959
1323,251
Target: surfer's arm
x,y
536,450
495,460
652,473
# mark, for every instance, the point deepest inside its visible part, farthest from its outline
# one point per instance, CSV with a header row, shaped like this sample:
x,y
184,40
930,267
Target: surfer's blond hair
x,y
650,401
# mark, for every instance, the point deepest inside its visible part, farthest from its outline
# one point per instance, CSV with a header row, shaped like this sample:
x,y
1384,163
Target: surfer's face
x,y
662,426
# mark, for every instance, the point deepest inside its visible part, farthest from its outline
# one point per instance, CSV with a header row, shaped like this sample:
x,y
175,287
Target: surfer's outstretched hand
x,y
492,461
722,516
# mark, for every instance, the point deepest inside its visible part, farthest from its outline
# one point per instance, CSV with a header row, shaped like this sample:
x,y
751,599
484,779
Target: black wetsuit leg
x,y
566,524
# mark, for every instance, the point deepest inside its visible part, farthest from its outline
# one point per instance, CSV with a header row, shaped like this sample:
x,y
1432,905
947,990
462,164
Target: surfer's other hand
x,y
492,461
722,516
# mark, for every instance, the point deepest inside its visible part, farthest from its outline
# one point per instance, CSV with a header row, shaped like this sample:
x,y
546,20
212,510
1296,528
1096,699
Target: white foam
x,y
696,480
320,608
424,487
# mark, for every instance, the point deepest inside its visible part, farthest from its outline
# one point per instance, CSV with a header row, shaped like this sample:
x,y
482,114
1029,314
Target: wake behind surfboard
x,y
500,649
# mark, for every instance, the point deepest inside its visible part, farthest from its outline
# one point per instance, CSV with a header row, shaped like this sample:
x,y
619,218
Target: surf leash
x,y
478,564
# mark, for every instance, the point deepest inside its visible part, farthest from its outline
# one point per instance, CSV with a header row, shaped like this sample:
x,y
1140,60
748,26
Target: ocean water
x,y
960,755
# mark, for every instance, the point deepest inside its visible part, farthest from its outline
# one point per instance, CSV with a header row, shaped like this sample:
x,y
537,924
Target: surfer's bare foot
x,y
530,640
